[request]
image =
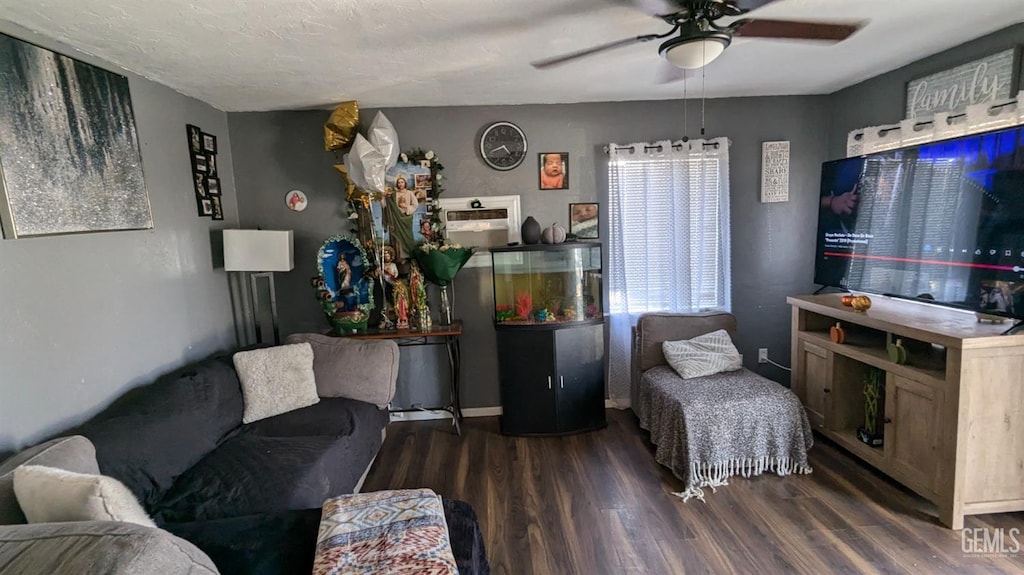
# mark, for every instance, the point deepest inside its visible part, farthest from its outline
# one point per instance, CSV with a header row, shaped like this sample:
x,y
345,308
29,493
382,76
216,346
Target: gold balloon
x,y
341,126
351,191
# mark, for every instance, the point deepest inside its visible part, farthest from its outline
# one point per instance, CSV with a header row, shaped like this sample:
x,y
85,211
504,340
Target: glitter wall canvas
x,y
69,152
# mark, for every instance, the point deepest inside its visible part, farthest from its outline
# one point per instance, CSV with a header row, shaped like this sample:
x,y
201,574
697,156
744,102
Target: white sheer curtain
x,y
668,210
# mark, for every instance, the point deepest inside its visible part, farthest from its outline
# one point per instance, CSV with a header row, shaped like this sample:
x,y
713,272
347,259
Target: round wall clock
x,y
503,146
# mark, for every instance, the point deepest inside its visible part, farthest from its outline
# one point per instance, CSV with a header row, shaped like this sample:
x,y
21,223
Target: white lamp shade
x,y
258,250
695,54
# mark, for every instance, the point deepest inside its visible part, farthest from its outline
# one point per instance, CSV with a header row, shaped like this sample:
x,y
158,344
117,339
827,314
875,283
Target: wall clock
x,y
503,146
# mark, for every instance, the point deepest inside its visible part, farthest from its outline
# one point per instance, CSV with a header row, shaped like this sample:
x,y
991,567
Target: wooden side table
x,y
446,335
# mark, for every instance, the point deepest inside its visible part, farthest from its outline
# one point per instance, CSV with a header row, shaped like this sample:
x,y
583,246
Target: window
x,y
669,224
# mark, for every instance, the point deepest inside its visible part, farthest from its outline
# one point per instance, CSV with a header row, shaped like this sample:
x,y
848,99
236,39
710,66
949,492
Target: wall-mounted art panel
x,y
69,152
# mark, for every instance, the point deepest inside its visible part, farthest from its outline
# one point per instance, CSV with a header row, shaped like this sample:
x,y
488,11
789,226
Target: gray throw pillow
x,y
703,355
276,380
365,370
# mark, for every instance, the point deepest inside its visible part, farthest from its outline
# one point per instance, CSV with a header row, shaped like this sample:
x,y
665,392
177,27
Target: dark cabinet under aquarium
x,y
549,318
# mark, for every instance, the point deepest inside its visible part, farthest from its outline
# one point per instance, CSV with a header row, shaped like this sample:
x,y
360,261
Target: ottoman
x,y
285,542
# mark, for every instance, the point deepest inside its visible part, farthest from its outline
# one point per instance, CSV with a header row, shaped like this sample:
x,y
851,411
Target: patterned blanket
x,y
708,429
384,532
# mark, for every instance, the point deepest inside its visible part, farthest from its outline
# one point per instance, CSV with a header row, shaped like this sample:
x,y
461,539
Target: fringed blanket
x,y
708,429
384,532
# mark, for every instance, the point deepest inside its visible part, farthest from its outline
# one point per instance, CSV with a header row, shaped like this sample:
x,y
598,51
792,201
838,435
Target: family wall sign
x,y
985,80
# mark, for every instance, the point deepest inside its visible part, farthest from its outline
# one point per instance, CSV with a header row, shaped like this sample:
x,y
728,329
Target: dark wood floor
x,y
598,503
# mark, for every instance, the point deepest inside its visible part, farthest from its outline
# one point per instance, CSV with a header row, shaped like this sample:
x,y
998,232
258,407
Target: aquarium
x,y
547,284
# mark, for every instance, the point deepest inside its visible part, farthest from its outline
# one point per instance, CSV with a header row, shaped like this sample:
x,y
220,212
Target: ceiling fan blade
x,y
555,61
795,30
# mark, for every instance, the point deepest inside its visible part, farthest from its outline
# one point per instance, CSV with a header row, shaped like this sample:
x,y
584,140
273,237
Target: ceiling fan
x,y
696,38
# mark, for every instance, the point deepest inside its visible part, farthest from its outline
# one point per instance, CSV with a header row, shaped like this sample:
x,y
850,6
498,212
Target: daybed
x,y
709,428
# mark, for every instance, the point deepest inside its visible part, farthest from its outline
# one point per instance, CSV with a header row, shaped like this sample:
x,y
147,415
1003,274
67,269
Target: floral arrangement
x,y
441,262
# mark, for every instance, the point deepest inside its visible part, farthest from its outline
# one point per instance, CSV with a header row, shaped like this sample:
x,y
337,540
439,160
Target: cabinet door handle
x,y
549,382
827,390
561,383
888,420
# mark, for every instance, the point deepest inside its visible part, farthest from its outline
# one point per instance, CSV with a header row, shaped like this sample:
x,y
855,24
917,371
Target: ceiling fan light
x,y
695,51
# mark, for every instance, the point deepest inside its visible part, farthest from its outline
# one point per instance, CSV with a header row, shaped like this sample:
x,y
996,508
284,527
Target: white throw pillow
x,y
706,354
48,495
276,380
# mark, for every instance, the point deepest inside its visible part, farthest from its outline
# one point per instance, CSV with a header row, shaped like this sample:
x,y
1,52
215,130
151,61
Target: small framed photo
x,y
211,164
425,164
554,170
205,207
199,183
584,221
199,163
209,143
195,138
212,186
218,210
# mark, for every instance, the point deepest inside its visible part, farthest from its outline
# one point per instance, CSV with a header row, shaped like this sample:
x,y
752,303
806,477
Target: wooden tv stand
x,y
954,413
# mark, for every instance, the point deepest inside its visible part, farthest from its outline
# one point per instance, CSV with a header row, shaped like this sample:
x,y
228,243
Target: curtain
x,y
668,210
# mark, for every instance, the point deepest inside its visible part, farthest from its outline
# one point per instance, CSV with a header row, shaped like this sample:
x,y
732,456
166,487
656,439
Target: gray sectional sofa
x,y
246,496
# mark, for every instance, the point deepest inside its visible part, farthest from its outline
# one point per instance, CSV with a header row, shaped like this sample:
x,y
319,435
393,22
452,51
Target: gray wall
x,y
772,243
85,317
882,99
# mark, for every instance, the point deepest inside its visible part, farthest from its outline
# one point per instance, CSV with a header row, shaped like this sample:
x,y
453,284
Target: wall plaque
x,y
774,172
985,80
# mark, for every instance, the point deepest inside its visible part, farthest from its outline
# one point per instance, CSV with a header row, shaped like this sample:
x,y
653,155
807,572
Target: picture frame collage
x,y
202,151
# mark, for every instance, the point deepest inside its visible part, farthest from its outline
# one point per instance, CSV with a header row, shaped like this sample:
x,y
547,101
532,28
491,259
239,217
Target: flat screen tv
x,y
941,222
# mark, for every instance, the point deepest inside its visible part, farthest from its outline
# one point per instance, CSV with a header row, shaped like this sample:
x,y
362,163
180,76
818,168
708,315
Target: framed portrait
x,y
553,170
209,143
212,186
195,138
199,163
218,210
70,150
205,207
211,164
199,183
584,221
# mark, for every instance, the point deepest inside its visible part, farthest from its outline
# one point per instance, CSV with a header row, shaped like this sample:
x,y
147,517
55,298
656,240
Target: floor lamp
x,y
261,253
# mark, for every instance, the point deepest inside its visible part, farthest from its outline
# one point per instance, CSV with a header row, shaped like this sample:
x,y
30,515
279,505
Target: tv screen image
x,y
942,222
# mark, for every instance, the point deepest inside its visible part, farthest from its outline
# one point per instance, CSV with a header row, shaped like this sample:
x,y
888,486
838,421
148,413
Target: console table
x,y
953,412
446,335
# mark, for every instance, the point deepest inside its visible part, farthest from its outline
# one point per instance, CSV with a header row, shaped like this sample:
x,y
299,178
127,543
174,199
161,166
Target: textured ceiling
x,y
284,54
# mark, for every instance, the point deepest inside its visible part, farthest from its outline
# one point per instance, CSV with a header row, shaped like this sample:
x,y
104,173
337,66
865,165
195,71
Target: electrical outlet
x,y
762,355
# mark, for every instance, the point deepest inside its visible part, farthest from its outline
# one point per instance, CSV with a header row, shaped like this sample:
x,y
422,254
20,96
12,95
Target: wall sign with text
x,y
985,80
774,172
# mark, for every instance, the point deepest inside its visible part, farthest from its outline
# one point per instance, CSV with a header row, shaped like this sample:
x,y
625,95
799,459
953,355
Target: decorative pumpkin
x,y
847,299
861,303
553,235
837,333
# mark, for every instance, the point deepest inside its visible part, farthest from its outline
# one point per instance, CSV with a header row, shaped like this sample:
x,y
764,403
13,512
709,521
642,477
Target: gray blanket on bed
x,y
708,429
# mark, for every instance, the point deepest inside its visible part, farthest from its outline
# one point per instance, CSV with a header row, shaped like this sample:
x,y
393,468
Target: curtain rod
x,y
949,120
610,149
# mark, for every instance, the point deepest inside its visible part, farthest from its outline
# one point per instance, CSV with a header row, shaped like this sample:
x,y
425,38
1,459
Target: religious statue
x,y
401,294
418,292
389,269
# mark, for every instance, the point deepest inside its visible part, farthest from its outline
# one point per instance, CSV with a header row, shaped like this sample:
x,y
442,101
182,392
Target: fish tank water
x,y
547,285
